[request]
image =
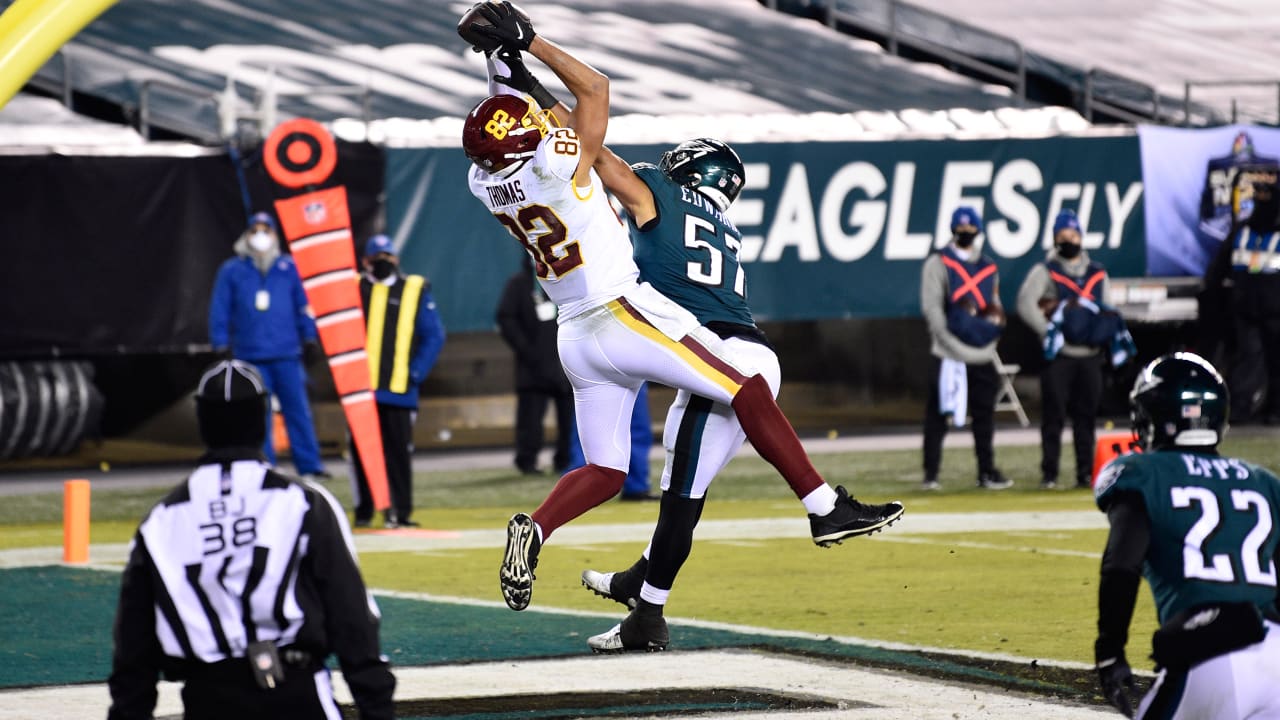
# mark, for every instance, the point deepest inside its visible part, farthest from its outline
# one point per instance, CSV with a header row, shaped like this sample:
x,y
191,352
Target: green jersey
x,y
690,252
1215,526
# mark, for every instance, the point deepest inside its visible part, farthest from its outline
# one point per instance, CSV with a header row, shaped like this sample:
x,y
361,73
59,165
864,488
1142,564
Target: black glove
x,y
1117,683
523,80
311,353
510,28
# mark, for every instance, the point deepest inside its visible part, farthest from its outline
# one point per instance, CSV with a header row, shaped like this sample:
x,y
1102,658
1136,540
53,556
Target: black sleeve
x,y
350,624
135,663
1121,573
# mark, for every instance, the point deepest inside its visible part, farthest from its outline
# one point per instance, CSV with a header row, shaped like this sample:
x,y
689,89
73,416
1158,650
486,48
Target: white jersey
x,y
580,248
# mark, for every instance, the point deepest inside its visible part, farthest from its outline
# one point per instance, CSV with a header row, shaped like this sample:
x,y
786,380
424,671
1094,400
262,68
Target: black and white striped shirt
x,y
236,554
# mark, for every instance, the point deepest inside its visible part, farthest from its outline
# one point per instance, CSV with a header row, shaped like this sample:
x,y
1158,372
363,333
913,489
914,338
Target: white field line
x,y
863,694
911,524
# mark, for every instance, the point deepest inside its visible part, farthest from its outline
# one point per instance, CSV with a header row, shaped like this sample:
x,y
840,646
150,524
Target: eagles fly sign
x,y
830,230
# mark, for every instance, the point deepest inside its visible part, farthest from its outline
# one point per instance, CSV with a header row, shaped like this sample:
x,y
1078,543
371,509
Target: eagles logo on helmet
x,y
502,133
1179,400
709,166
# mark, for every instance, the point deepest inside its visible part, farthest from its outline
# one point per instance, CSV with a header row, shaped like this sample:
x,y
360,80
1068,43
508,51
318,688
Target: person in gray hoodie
x,y
960,301
1068,286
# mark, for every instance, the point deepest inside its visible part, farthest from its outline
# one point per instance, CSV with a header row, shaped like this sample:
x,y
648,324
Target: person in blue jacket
x,y
401,354
259,314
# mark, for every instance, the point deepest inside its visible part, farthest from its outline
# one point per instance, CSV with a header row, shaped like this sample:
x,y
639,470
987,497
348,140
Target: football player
x,y
687,249
615,332
1204,530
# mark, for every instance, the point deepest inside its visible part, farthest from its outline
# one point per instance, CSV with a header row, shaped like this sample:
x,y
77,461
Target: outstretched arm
x,y
631,191
512,31
590,89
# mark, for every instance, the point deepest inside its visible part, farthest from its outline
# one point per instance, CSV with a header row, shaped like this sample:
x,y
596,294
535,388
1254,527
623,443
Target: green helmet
x,y
1179,400
708,166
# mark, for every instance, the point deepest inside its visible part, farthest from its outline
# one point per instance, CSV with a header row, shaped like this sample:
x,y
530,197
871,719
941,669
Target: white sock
x,y
651,594
821,501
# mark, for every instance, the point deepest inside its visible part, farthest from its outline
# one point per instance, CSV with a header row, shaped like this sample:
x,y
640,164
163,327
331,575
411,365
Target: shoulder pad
x,y
1123,473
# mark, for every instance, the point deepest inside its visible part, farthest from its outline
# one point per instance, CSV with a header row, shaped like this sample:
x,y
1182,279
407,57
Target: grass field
x,y
1029,593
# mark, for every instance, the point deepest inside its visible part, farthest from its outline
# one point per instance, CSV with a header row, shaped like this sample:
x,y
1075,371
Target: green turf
x,y
956,591
77,649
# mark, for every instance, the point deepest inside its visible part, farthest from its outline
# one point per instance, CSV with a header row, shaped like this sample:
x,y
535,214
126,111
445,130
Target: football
x,y
472,17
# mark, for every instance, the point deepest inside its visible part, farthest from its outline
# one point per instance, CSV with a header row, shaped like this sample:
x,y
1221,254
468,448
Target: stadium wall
x,y
831,230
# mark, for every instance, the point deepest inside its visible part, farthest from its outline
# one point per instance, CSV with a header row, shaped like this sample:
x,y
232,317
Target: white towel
x,y
953,391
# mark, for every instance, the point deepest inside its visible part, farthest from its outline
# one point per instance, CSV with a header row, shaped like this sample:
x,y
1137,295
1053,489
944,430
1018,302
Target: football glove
x,y
510,28
1117,683
522,80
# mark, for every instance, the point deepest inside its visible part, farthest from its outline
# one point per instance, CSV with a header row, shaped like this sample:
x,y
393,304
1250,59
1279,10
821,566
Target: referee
x,y
241,581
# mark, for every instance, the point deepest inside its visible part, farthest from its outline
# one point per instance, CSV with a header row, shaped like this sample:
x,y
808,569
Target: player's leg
x,y
644,586
603,401
640,344
603,416
700,437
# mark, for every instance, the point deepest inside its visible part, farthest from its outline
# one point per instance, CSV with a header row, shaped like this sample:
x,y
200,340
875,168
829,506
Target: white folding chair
x,y
1007,397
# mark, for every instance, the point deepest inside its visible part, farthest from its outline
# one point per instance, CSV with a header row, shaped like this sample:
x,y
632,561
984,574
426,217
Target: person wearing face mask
x,y
1070,286
259,314
404,338
960,300
1252,253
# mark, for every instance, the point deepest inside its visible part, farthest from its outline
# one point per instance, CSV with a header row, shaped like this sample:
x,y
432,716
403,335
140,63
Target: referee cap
x,y
231,405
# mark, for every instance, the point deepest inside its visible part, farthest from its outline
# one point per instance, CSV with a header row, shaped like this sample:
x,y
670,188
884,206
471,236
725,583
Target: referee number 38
x,y
240,531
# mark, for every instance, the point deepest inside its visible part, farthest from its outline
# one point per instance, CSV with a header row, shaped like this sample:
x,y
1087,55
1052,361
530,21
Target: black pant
x,y
222,695
1069,386
984,383
397,448
531,407
1257,360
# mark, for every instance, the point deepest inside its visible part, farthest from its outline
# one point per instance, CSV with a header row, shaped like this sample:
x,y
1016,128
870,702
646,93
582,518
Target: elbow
x,y
597,86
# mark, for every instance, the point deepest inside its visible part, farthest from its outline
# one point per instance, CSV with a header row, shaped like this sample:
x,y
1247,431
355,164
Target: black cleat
x,y
607,586
621,587
639,632
516,575
851,518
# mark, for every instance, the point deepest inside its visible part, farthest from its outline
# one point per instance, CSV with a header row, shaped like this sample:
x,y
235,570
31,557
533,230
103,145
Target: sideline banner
x,y
1188,174
830,230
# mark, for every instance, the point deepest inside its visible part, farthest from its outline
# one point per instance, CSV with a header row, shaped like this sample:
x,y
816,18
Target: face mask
x,y
965,239
1068,251
382,269
261,242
